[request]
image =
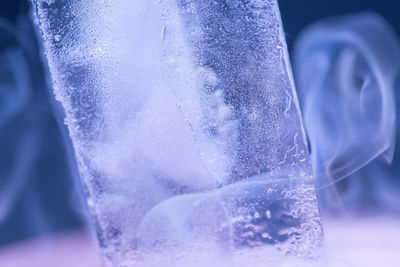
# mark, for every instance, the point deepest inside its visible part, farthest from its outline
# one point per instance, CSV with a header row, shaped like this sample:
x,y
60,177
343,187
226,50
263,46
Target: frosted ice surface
x,y
186,128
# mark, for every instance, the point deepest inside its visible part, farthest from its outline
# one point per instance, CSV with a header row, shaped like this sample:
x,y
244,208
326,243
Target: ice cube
x,y
175,102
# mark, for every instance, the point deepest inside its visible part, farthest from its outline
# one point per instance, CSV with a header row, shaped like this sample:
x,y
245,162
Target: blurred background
x,y
40,192
37,192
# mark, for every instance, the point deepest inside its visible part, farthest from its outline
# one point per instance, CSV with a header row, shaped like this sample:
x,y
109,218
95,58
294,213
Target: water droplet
x,y
163,33
268,214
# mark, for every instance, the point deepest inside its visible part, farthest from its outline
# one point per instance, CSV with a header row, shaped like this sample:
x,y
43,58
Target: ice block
x,y
186,128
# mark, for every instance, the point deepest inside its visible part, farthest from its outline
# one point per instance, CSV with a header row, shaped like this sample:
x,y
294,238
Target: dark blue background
x,y
298,14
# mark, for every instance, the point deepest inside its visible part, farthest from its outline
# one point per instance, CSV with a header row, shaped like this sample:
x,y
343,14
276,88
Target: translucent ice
x,y
267,209
186,128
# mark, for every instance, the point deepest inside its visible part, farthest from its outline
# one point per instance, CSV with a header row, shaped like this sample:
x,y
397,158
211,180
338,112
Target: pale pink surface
x,y
350,242
73,249
363,241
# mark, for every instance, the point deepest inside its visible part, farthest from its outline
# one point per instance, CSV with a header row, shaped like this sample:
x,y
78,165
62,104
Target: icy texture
x,y
186,128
